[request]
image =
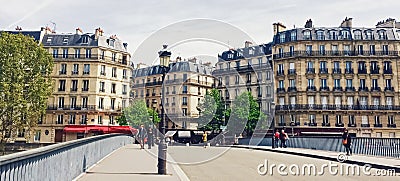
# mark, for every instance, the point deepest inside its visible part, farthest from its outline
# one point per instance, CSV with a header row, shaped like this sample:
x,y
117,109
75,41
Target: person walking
x,y
276,138
141,136
150,137
346,141
283,137
205,139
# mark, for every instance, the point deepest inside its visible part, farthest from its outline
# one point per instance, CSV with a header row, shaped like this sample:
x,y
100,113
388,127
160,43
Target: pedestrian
x,y
346,141
150,137
283,137
276,138
205,139
142,136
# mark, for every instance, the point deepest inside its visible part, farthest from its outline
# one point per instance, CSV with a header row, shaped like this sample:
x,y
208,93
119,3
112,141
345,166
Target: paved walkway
x,y
131,163
378,162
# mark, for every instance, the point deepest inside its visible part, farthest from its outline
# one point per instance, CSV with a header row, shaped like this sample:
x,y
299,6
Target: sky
x,y
202,29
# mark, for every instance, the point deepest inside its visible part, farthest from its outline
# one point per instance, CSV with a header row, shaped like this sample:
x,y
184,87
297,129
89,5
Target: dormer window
x,y
85,39
65,40
282,37
333,35
293,36
230,55
307,35
368,34
320,35
111,42
382,35
345,35
251,51
357,35
49,39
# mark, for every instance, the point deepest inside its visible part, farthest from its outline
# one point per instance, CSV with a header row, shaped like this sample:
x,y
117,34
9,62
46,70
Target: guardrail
x,y
385,147
63,161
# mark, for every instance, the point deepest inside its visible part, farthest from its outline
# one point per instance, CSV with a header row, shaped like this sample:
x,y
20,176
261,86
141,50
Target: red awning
x,y
99,128
74,129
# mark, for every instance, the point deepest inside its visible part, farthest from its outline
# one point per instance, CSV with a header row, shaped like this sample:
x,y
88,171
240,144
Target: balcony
x,y
312,124
280,73
311,88
153,94
281,124
173,92
71,107
363,89
362,71
375,71
86,72
376,89
333,53
326,124
103,73
173,104
85,89
147,94
61,89
337,71
365,125
378,125
391,125
339,89
74,89
310,71
350,89
184,92
352,125
62,72
280,90
339,124
295,123
388,71
389,89
74,72
184,103
124,93
323,71
292,89
349,71
292,72
324,88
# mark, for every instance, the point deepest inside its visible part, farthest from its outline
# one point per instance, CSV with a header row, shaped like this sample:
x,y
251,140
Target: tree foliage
x,y
245,114
212,111
121,120
138,113
25,84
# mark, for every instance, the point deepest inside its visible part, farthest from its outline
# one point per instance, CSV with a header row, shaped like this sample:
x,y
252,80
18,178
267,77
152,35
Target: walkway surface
x,y
378,162
131,163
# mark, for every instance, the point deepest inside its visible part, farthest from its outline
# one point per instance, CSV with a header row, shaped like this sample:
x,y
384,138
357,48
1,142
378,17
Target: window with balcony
x,y
362,84
338,102
362,68
339,121
336,84
72,118
88,53
372,50
336,67
291,50
389,102
112,104
309,49
85,102
55,53
377,121
387,67
374,67
352,121
61,102
292,69
323,68
292,100
184,101
385,49
325,120
364,121
311,101
310,67
60,119
102,87
310,84
363,102
292,83
335,50
360,50
346,49
324,85
312,121
374,85
75,69
324,102
349,85
322,49
350,102
281,69
281,101
349,68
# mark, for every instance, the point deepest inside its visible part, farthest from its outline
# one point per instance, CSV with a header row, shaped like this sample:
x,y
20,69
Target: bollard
x,y
187,144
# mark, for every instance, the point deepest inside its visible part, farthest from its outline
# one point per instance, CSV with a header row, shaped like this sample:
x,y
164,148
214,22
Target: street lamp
x,y
162,147
273,124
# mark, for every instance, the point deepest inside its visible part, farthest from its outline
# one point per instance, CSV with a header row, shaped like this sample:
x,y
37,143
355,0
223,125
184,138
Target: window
x,y
346,49
113,89
227,80
391,120
114,72
336,82
324,100
348,67
389,101
339,121
77,53
338,101
292,83
345,35
36,137
311,101
124,87
103,70
124,74
333,35
322,66
310,82
248,78
309,49
374,83
85,39
335,50
75,69
236,79
322,49
281,101
72,119
323,83
293,36
281,119
112,104
282,37
350,101
184,100
268,91
102,87
99,119
281,84
307,35
268,76
55,53
377,120
74,85
364,120
312,118
88,53
61,86
61,102
382,35
65,53
291,50
84,102
63,69
357,35
113,57
85,85
325,119
112,120
101,101
320,35
184,89
372,49
86,69
352,120
60,119
363,102
310,64
123,104
184,113
349,83
385,49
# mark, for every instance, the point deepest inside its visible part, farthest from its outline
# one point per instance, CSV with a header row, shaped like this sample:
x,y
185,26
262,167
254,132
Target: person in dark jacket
x,y
283,138
346,140
150,141
142,133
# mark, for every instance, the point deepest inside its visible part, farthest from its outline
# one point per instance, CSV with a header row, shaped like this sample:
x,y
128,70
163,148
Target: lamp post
x,y
273,124
162,147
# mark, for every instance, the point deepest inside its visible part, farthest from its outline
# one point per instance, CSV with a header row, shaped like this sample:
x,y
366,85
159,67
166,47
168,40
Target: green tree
x,y
121,120
25,84
212,111
245,114
138,113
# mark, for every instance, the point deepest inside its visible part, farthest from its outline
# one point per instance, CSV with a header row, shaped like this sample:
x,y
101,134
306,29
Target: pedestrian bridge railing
x,y
63,161
385,147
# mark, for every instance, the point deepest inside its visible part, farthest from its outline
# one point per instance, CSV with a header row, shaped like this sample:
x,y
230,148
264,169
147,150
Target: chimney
x,y
18,28
389,23
208,64
78,31
247,44
308,24
164,56
347,23
98,32
278,27
193,60
125,45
